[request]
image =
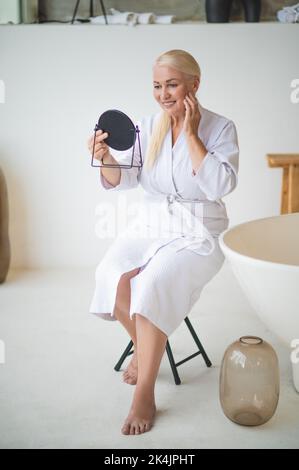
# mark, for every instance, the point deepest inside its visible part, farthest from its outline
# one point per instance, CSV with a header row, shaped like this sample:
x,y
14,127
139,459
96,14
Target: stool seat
x,y
130,350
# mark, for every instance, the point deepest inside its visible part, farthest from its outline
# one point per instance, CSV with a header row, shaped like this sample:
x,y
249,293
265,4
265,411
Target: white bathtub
x,y
264,256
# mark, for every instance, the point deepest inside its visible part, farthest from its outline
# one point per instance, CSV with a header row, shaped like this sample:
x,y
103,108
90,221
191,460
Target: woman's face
x,y
170,89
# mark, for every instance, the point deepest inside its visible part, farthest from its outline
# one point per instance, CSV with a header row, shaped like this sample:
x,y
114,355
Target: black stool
x,y
128,351
91,10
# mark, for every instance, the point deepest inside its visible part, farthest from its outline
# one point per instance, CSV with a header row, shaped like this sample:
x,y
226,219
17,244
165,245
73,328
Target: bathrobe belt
x,y
197,236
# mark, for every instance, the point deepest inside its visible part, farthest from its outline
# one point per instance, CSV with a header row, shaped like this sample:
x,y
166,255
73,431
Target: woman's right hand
x,y
101,148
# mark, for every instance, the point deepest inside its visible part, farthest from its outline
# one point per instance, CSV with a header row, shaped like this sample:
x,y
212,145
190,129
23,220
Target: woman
x,y
150,278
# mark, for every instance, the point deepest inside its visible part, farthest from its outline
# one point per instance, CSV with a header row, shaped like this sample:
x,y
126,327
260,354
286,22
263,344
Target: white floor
x,y
58,388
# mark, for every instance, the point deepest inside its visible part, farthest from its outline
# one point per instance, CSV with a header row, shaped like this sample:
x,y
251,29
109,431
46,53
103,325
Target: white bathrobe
x,y
174,237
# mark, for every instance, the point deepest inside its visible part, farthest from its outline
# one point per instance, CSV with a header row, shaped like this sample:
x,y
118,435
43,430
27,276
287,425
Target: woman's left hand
x,y
192,116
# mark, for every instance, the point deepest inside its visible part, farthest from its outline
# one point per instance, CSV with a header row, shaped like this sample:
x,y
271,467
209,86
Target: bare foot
x,y
131,372
141,416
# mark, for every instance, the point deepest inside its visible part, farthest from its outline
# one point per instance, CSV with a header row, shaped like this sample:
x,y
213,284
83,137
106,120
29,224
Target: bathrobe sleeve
x,y
129,177
217,174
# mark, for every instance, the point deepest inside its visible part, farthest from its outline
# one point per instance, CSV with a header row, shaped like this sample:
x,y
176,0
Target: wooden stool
x,y
290,179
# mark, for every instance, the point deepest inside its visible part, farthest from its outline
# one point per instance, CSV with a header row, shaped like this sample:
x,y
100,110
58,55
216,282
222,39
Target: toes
x,y
130,380
142,428
136,428
126,429
147,427
132,429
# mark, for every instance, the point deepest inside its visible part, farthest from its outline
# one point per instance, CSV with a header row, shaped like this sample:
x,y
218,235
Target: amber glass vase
x,y
249,381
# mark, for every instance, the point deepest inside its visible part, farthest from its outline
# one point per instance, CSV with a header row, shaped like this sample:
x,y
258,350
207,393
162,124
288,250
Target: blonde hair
x,y
183,62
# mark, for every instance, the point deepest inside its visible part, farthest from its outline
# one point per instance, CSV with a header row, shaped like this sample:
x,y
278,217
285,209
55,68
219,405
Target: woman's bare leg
x,y
121,312
151,346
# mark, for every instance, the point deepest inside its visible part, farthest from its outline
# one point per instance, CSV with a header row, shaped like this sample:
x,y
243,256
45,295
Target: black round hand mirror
x,y
121,135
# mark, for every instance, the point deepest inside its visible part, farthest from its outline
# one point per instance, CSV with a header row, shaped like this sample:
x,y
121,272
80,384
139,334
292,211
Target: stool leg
x,y
172,364
196,339
126,353
104,11
75,11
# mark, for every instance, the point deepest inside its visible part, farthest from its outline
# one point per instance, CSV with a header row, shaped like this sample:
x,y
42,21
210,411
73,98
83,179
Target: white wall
x,y
60,78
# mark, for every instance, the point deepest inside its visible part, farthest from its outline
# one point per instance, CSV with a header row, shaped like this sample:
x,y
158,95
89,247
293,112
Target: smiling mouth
x,y
169,103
